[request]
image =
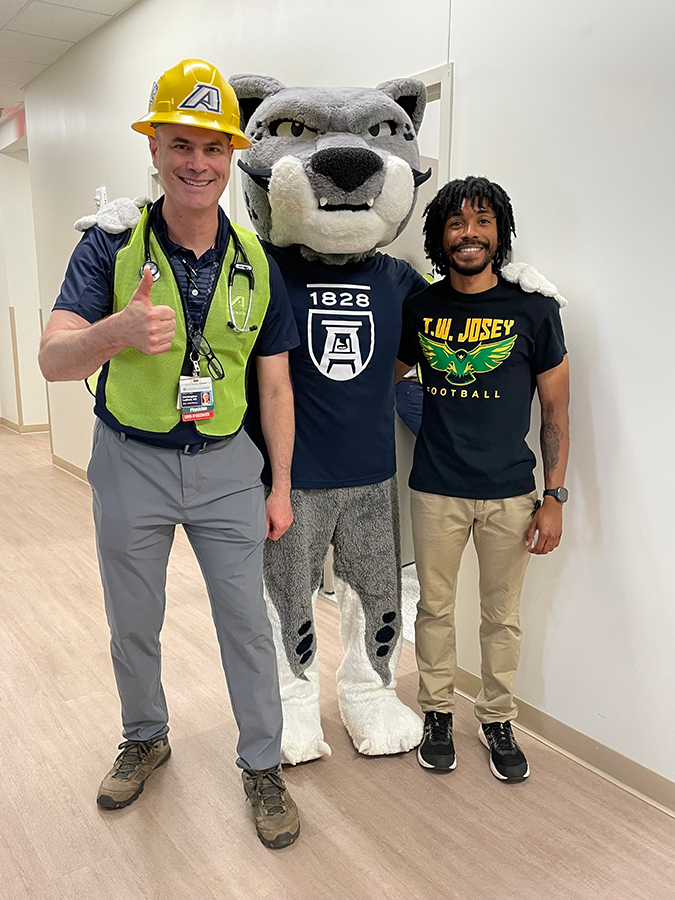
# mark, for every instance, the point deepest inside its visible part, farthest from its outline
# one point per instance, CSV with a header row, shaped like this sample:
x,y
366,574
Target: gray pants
x,y
140,494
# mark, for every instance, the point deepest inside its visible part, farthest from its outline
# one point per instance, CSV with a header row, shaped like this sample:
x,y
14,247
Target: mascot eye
x,y
382,129
291,128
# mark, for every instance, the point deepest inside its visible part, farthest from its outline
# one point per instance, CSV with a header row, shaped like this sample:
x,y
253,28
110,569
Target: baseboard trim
x,y
68,467
631,776
627,774
23,429
17,371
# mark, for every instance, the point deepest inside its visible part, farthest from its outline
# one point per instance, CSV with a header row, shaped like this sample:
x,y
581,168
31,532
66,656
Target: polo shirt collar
x,y
172,249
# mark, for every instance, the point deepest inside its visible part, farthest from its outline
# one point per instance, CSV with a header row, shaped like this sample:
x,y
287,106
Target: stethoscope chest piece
x,y
154,268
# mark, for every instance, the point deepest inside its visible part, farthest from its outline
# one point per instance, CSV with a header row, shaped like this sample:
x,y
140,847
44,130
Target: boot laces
x,y
268,789
503,738
132,755
439,727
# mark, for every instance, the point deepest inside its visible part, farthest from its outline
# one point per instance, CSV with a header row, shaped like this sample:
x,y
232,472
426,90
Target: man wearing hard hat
x,y
167,360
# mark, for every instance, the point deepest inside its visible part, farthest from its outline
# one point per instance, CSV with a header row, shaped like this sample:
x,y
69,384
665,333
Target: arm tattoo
x,y
551,436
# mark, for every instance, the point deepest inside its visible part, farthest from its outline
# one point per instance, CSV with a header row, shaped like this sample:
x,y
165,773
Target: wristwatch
x,y
561,494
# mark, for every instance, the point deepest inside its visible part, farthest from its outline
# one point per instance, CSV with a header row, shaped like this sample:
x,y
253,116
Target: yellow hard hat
x,y
194,93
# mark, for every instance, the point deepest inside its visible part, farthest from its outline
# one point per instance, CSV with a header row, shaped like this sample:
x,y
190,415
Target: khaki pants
x,y
441,529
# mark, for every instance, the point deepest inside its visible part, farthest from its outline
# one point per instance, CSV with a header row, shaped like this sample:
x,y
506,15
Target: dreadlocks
x,y
448,201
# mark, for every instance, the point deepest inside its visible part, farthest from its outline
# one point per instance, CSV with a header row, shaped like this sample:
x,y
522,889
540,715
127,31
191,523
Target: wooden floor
x,y
372,828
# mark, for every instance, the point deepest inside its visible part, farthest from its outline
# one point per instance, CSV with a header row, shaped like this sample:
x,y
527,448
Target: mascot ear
x,y
410,94
251,90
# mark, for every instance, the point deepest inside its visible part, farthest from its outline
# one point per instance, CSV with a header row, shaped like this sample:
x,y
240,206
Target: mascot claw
x,y
291,756
302,738
381,724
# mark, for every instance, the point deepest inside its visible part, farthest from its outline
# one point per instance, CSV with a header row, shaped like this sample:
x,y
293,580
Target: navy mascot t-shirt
x,y
480,355
349,322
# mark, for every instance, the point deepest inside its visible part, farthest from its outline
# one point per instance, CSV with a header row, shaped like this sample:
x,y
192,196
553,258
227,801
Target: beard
x,y
470,267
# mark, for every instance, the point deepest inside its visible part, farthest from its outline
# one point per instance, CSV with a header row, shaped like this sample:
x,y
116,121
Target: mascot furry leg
x,y
367,568
362,524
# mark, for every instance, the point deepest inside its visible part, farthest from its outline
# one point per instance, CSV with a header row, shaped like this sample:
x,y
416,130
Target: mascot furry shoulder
x,y
331,175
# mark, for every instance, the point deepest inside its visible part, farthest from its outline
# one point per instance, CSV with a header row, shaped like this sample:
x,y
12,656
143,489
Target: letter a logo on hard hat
x,y
204,96
194,93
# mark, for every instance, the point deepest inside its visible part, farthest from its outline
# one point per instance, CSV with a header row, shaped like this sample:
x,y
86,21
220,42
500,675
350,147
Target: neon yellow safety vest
x,y
141,390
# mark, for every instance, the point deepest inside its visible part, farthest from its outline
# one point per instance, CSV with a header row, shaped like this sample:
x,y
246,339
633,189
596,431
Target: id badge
x,y
195,398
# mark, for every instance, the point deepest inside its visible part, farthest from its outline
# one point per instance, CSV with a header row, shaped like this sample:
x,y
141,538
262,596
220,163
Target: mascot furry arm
x,y
123,213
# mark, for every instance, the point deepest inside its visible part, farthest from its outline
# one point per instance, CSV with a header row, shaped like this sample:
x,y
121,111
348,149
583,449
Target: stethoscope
x,y
239,266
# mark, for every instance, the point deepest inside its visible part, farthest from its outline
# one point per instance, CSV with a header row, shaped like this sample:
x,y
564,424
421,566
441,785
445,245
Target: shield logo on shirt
x,y
341,343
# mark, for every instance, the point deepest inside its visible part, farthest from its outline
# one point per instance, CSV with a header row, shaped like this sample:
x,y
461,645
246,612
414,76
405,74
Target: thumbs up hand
x,y
148,328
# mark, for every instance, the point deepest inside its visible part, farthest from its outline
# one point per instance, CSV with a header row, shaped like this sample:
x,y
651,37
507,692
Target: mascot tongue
x,y
298,217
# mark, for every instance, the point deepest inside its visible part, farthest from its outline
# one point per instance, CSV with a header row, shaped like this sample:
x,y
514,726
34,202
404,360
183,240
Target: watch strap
x,y
560,493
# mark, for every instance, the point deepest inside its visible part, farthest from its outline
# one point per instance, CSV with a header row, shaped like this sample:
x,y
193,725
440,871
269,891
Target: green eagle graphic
x,y
459,365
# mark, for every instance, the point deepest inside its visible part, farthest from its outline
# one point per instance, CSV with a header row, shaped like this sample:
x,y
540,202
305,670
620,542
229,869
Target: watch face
x,y
562,494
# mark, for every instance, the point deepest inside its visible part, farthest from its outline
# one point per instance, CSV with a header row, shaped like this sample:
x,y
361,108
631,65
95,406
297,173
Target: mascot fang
x,y
331,175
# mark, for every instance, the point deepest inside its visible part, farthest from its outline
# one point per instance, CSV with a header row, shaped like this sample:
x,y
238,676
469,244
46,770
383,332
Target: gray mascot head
x,y
334,170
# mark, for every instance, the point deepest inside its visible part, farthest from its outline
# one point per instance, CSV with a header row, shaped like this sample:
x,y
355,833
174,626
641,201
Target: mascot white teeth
x,y
331,175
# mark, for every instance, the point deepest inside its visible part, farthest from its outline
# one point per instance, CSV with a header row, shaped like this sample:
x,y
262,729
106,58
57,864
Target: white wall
x,y
8,402
570,107
19,289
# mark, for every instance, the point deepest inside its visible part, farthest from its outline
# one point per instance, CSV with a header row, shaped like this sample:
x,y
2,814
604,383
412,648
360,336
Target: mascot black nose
x,y
347,167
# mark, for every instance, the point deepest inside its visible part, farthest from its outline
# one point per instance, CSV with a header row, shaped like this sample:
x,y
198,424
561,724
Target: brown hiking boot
x,y
125,781
276,815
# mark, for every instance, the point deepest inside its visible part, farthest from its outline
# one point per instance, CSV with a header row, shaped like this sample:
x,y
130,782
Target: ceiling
x,y
35,33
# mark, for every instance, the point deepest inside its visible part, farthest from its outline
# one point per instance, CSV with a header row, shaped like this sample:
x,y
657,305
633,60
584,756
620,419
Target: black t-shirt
x,y
349,323
480,355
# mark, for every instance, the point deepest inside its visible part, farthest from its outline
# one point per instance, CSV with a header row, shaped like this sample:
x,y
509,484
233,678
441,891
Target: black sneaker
x,y
437,750
507,760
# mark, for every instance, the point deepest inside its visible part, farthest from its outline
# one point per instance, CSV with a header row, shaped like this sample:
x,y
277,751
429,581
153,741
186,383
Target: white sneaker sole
x,y
483,740
427,765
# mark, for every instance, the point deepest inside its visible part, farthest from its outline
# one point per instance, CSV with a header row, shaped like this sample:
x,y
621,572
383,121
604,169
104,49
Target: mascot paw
x,y
380,724
302,739
115,217
531,280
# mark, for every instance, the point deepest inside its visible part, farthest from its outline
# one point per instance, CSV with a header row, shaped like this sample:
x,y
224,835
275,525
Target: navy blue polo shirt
x,y
87,291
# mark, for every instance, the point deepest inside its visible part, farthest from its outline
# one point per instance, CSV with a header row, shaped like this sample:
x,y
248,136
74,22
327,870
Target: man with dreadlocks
x,y
483,345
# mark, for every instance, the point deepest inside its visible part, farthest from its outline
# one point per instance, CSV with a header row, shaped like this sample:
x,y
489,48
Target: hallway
x,y
372,828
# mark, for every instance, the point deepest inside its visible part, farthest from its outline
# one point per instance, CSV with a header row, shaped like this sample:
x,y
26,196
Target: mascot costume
x,y
331,175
